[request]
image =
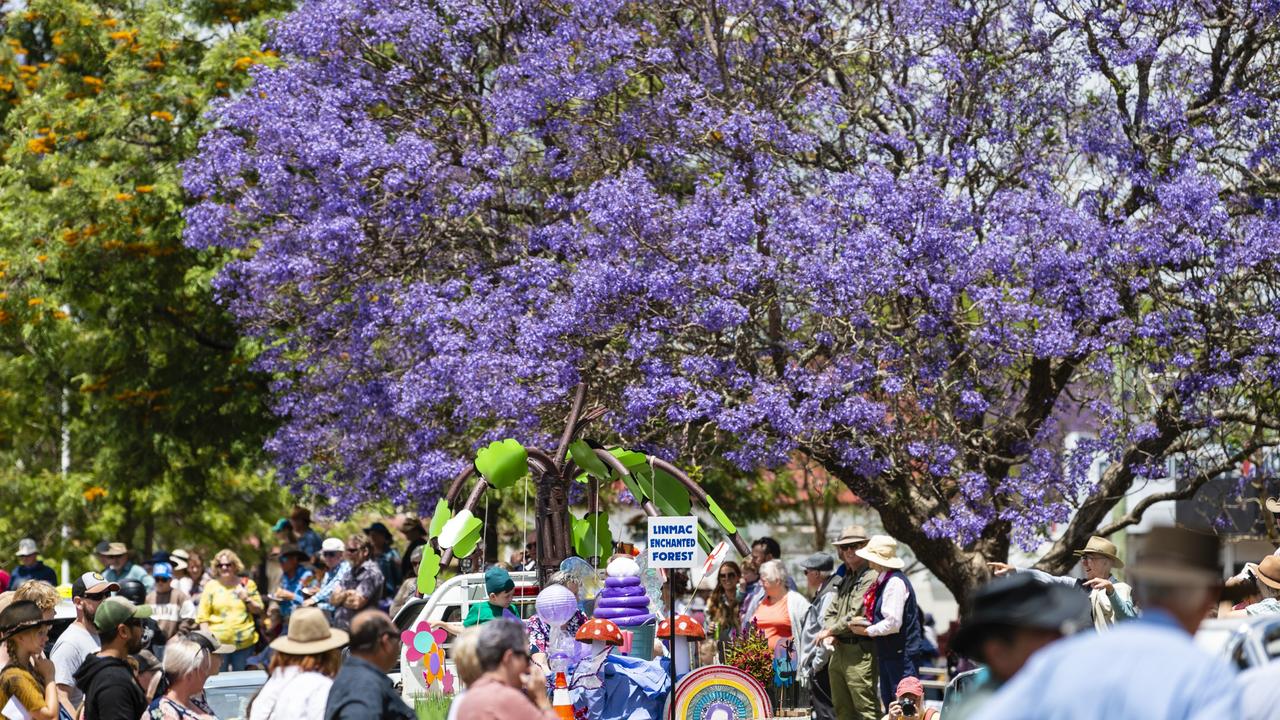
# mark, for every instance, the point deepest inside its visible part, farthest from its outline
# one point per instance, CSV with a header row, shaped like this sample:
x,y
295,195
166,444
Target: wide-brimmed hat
x,y
851,535
27,546
1268,571
1021,601
112,549
1101,546
21,616
309,634
378,527
288,549
1178,556
883,551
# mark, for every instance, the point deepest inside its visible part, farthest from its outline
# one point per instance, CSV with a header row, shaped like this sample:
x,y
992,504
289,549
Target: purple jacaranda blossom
x,y
758,228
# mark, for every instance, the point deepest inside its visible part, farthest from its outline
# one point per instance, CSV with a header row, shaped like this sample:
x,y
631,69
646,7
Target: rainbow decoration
x,y
719,692
423,642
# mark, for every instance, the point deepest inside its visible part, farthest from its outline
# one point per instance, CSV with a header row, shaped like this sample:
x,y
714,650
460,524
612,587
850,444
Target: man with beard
x,y
106,679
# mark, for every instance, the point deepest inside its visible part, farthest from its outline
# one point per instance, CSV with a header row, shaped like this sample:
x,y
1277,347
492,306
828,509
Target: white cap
x,y
27,546
333,545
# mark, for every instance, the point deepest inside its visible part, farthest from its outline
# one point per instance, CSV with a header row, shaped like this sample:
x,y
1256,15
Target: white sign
x,y
673,542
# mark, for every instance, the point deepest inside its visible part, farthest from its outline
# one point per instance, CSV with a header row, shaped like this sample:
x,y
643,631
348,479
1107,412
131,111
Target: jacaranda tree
x,y
906,238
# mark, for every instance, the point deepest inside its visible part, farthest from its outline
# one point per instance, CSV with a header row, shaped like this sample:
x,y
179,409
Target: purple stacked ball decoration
x,y
623,599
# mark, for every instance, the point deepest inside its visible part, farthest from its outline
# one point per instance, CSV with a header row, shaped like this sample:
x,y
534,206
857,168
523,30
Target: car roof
x,y
236,679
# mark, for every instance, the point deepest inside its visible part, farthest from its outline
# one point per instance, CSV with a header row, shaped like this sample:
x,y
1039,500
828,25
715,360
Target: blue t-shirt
x,y
39,571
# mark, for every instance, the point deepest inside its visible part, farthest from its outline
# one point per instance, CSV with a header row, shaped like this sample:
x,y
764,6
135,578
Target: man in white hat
x,y
29,566
896,623
1150,667
1109,599
851,661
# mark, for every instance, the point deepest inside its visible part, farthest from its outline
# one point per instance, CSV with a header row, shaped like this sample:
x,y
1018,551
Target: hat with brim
x,y
1267,572
1177,556
1020,601
883,551
1101,546
114,549
290,549
20,617
851,535
309,634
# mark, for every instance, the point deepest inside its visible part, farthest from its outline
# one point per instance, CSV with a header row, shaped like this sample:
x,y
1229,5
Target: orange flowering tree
x,y
108,327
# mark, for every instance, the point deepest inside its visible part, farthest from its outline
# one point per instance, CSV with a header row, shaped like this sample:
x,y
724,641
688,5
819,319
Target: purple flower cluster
x,y
754,228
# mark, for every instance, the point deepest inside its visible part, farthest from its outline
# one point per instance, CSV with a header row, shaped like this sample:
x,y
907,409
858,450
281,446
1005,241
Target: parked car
x,y
1243,642
229,693
450,602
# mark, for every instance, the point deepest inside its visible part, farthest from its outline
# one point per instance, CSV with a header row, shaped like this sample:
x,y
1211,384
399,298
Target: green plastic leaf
x,y
503,463
704,540
585,458
634,487
428,570
440,517
720,517
458,527
592,536
670,495
467,543
629,458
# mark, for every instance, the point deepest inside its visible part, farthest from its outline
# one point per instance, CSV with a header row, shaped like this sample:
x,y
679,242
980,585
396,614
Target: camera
x,y
908,707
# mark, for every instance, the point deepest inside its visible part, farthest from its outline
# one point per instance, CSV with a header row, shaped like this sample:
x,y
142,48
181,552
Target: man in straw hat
x,y
896,622
1147,668
851,670
1263,580
1109,599
1008,620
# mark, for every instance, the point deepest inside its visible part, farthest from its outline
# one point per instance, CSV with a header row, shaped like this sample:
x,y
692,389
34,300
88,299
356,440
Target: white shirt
x,y
290,694
73,646
894,602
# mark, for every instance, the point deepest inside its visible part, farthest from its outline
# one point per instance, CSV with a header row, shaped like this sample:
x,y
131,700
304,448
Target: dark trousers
x,y
894,667
820,696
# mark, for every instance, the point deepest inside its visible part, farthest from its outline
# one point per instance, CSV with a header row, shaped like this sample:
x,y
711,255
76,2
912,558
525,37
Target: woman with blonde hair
x,y
41,593
301,670
187,665
228,606
28,675
467,663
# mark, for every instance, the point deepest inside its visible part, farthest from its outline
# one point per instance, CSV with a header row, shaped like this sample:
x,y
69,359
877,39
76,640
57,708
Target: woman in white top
x,y
301,670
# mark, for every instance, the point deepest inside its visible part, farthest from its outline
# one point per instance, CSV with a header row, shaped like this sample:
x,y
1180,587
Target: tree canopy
x,y
911,239
108,330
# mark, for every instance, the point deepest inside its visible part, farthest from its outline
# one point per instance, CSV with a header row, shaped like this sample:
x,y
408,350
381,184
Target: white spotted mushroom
x,y
687,631
601,633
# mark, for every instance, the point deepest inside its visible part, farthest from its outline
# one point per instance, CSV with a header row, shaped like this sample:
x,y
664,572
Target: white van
x,y
450,602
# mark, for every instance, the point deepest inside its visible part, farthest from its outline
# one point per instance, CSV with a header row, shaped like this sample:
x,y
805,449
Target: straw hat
x,y
851,535
1101,546
883,551
309,634
1268,571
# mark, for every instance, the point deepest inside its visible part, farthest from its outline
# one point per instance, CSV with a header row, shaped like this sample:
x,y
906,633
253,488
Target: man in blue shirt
x,y
293,576
1145,668
29,567
338,569
117,567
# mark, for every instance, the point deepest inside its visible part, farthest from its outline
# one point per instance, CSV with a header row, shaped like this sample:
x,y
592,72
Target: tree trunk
x,y
553,524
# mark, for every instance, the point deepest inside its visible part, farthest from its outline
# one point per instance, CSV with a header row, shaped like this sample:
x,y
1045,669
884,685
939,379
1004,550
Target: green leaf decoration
x,y
629,458
458,527
635,488
440,517
585,458
467,543
704,540
428,570
720,517
585,538
670,495
503,463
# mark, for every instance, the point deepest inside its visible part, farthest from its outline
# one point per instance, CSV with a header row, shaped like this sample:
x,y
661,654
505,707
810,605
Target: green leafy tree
x,y
108,328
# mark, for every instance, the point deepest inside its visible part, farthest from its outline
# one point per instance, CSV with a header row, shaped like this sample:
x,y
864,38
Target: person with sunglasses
x,y
363,585
110,690
228,606
336,571
511,686
80,639
722,612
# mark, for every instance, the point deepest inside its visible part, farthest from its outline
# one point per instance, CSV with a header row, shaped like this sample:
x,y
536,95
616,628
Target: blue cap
x,y
280,525
497,580
162,570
